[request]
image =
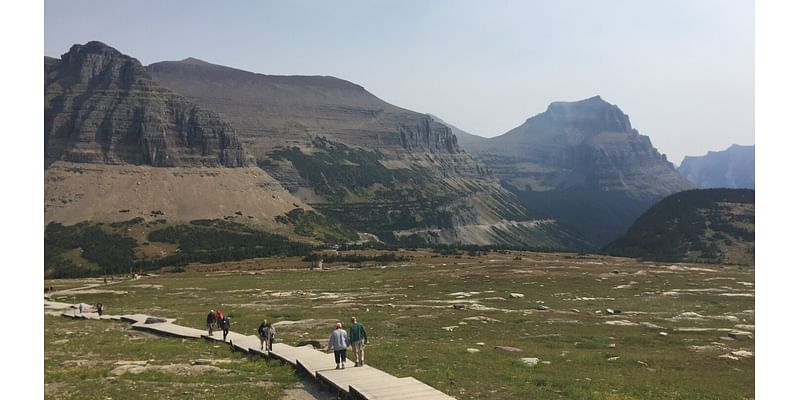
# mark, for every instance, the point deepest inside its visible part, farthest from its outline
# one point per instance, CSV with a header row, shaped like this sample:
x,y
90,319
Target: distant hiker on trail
x,y
263,333
80,308
226,326
338,343
270,336
358,339
218,317
211,319
99,308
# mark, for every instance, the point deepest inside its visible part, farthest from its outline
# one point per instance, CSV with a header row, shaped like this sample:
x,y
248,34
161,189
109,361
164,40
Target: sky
x,y
682,70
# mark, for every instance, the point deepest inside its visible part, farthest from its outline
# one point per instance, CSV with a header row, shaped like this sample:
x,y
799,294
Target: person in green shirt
x,y
358,339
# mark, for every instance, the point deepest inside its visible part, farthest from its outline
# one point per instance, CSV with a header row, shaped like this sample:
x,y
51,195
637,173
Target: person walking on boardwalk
x,y
270,336
218,317
358,339
211,319
263,334
338,342
99,308
226,326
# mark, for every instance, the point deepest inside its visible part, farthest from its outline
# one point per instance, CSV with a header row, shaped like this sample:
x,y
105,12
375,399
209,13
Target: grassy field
x,y
417,327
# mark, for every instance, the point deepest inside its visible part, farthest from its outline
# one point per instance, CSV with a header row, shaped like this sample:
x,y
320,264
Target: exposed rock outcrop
x,y
102,107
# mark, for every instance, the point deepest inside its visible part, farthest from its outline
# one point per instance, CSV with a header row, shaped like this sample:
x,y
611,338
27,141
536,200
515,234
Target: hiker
x,y
80,308
338,343
358,339
211,319
218,317
99,308
270,336
226,326
263,333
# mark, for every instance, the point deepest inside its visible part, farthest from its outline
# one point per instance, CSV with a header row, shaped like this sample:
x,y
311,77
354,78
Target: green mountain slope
x,y
704,225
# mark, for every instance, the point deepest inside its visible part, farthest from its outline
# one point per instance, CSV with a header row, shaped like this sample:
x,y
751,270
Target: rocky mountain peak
x,y
591,116
102,107
96,62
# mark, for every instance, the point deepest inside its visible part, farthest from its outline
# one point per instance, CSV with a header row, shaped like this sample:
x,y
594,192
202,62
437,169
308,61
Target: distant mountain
x,y
734,167
584,165
373,166
702,225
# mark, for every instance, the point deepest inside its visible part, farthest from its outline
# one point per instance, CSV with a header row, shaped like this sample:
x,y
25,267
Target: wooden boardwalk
x,y
364,383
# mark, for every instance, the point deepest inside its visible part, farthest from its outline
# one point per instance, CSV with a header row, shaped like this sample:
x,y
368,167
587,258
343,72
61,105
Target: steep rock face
x,y
102,107
466,141
702,225
734,167
119,146
588,144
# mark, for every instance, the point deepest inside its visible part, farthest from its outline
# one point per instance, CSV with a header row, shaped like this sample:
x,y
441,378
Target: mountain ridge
x,y
733,167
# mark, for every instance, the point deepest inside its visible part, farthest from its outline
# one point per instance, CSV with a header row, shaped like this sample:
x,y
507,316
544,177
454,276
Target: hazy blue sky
x,y
682,70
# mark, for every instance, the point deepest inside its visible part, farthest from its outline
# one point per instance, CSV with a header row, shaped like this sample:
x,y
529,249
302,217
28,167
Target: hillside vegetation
x,y
706,225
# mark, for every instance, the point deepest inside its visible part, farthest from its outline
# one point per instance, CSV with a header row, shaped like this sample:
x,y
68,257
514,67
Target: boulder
x,y
449,328
542,307
508,349
740,335
515,295
530,361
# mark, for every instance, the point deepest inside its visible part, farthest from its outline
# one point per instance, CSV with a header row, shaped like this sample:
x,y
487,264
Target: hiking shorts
x,y
358,345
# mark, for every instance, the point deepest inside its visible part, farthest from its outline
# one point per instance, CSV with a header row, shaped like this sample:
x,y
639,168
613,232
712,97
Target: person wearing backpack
x,y
226,326
211,319
263,333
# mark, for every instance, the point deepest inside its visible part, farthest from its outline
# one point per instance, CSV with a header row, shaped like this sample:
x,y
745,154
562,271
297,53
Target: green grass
x,y
405,308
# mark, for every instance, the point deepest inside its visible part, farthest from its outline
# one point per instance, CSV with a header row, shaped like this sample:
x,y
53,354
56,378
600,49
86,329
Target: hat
x,y
338,325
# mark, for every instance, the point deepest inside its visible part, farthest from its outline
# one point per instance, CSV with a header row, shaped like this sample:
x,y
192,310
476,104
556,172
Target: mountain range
x,y
189,140
179,147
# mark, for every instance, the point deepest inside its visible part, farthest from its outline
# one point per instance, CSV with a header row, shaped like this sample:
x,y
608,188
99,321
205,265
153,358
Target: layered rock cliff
x,y
102,107
119,146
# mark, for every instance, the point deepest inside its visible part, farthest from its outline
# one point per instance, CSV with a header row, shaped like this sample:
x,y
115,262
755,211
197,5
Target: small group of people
x,y
98,308
219,320
340,340
266,333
